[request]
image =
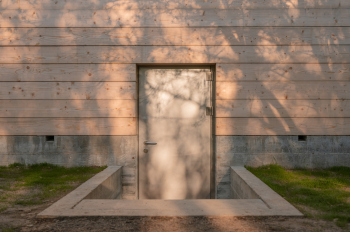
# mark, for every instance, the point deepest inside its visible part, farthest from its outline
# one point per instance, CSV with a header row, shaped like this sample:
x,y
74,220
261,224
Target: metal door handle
x,y
150,143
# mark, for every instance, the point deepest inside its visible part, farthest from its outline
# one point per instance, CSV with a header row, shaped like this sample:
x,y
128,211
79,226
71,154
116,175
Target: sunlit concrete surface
x,y
258,200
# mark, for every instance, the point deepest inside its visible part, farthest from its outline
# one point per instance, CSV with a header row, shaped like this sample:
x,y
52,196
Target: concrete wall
x,y
287,151
240,189
75,151
110,188
315,152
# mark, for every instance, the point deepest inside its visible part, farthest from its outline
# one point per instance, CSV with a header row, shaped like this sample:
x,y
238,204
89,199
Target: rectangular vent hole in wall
x,y
302,138
49,138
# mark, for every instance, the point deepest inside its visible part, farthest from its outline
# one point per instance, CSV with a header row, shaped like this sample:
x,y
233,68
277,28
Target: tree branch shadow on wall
x,y
268,52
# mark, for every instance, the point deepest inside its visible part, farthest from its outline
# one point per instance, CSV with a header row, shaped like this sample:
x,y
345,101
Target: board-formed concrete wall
x,y
315,152
287,151
69,68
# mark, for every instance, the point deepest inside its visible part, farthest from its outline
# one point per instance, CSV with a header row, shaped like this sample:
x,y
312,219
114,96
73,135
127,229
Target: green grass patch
x,y
318,193
9,229
38,183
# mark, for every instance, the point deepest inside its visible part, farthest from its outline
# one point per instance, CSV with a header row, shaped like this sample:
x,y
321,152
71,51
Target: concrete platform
x,y
259,200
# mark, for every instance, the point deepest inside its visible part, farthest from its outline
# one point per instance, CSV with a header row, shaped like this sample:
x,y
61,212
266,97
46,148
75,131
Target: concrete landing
x,y
213,207
259,200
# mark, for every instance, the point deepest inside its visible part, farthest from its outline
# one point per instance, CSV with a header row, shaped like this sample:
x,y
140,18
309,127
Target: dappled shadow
x,y
286,70
172,111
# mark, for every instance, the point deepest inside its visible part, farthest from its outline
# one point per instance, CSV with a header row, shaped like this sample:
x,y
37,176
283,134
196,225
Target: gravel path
x,y
24,219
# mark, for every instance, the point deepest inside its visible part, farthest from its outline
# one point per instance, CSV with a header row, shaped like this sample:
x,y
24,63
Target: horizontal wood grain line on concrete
x,y
68,90
67,108
282,126
68,126
127,72
174,18
282,72
168,4
282,108
315,54
274,90
68,72
209,36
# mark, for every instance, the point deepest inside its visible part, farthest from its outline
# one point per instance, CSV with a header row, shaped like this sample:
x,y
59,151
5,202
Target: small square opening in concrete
x,y
302,138
49,138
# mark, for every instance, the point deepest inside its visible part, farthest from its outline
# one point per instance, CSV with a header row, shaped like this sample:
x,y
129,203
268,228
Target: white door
x,y
173,114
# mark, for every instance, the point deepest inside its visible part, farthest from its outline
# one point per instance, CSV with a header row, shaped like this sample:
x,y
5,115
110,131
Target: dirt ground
x,y
23,218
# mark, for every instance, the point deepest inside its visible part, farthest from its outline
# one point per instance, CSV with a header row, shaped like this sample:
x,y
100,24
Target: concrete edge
x,y
272,199
110,188
263,201
240,189
91,186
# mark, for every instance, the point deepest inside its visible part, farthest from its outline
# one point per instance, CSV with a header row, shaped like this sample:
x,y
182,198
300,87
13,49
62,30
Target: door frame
x,y
212,120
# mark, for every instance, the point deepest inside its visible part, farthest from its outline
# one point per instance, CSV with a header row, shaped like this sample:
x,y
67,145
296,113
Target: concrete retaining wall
x,y
110,188
287,151
240,189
